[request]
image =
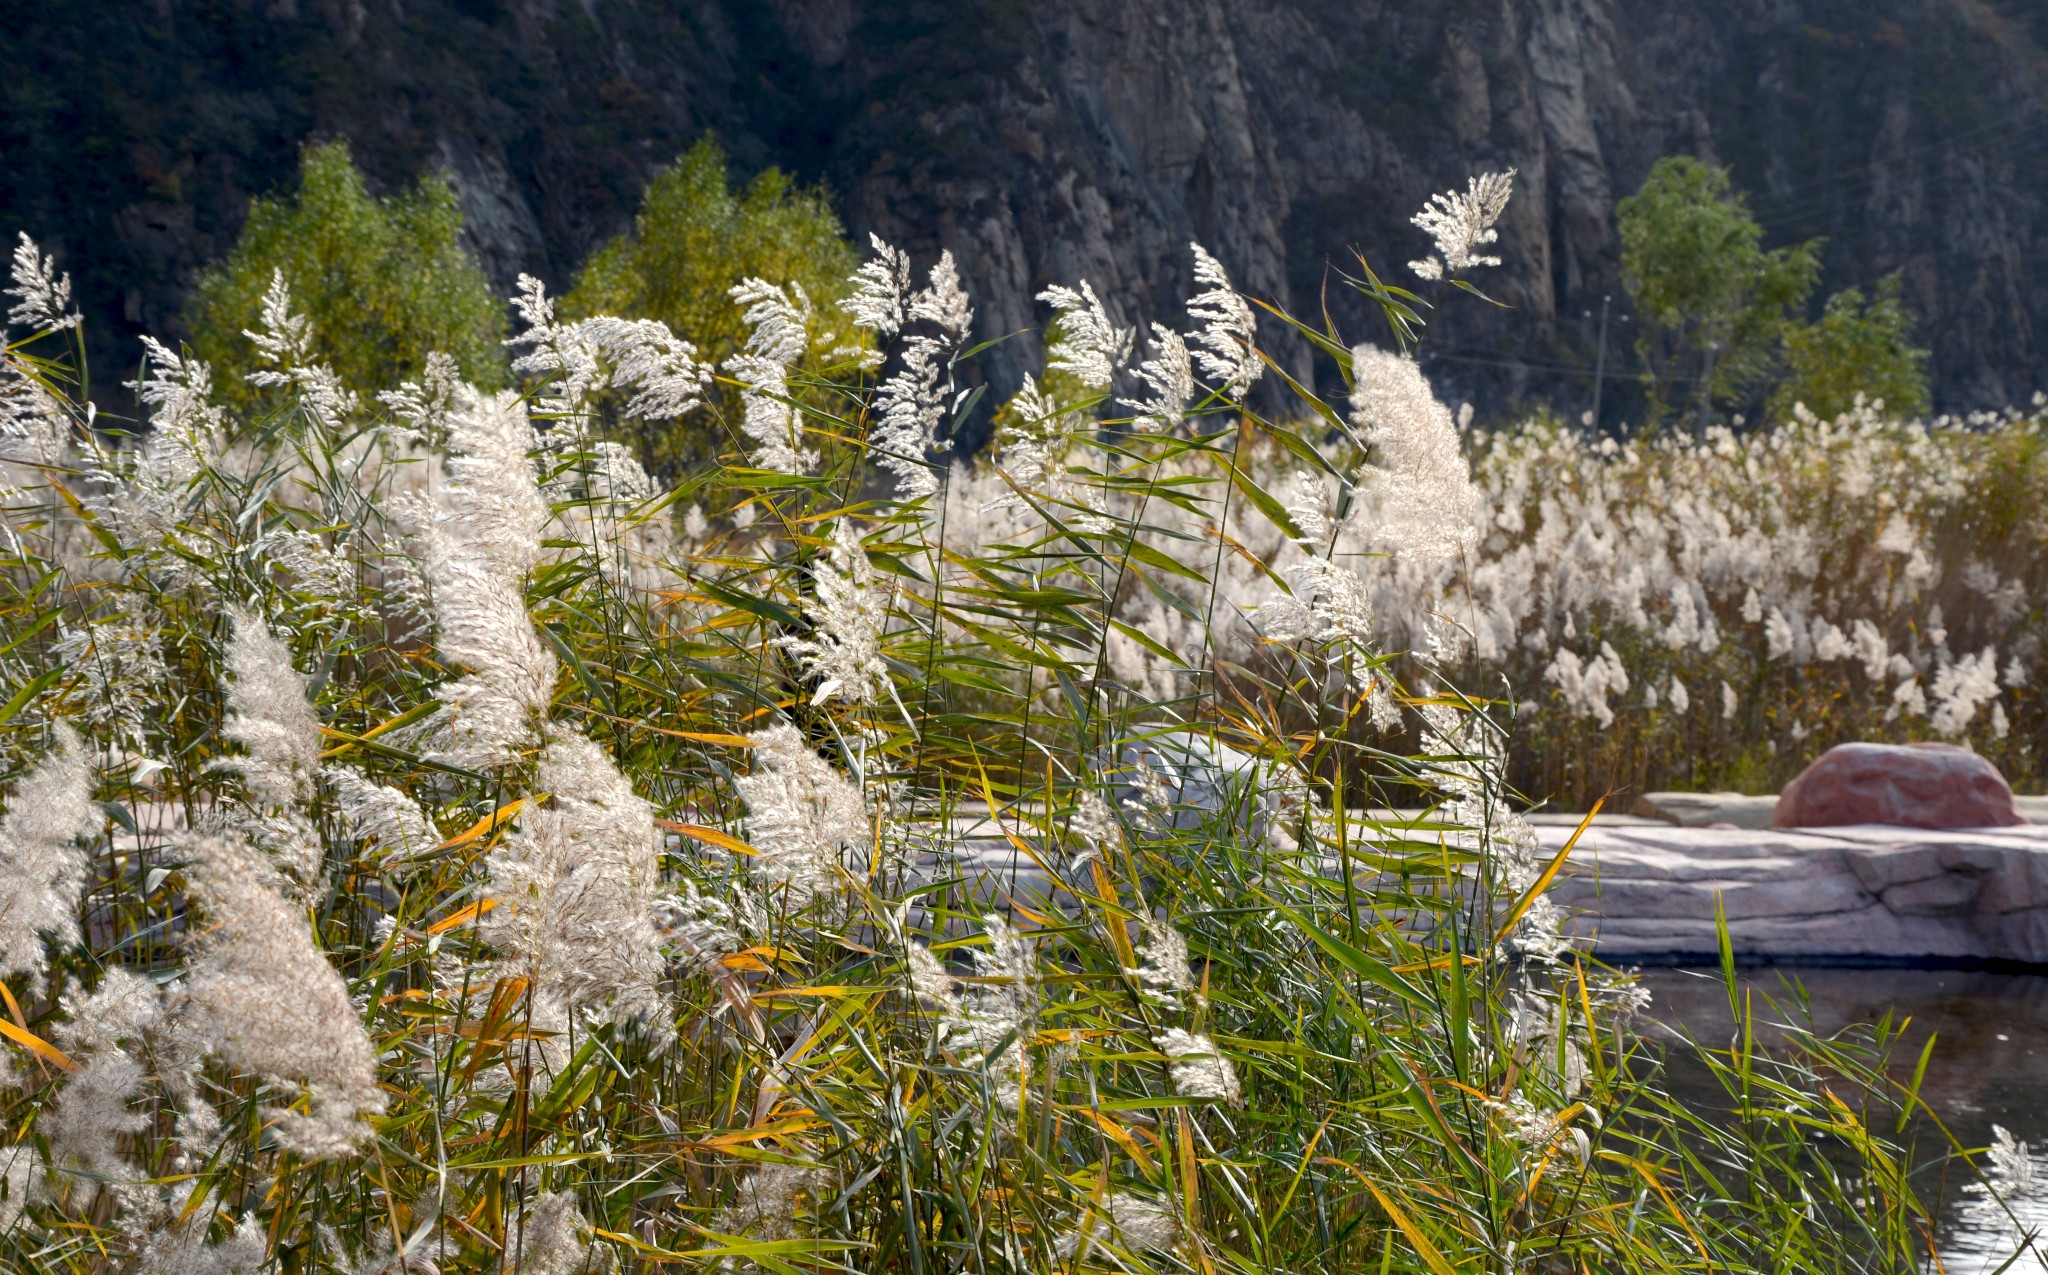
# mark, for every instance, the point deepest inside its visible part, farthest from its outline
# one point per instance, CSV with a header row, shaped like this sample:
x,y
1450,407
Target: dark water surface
x,y
1990,1066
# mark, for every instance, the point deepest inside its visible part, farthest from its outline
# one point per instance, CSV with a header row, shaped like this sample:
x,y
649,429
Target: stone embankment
x,y
1648,891
1642,890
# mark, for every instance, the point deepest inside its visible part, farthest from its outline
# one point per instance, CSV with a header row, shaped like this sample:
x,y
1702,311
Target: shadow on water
x,y
1989,1067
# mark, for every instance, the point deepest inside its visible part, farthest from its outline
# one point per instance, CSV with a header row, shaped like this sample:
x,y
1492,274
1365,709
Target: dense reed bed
x,y
432,846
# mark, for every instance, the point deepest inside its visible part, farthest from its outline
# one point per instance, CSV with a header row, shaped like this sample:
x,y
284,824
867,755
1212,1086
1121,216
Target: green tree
x,y
1712,305
1855,347
694,238
384,281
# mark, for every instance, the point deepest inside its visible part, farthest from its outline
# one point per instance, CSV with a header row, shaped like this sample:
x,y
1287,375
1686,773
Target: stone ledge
x,y
1647,892
1854,893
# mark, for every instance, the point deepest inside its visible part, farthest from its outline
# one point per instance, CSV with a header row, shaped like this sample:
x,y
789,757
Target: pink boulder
x,y
1906,785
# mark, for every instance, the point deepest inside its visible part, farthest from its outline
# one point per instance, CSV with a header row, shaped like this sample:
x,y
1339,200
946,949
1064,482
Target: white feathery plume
x,y
1154,783
424,405
645,356
561,353
185,435
1170,376
29,414
1462,223
1199,1069
1095,826
698,929
269,716
781,332
486,539
1960,689
802,816
846,610
2012,1169
1226,345
1338,608
42,297
1382,705
575,888
286,342
1308,505
773,1199
992,1023
1587,685
42,865
379,814
880,287
581,359
1163,974
1283,794
179,393
286,339
1089,344
1029,442
627,538
1144,1224
549,1238
180,1247
94,1109
18,1179
910,405
1136,1223
314,568
267,1002
929,981
1031,445
1537,1130
1779,638
122,664
1419,500
34,428
1909,699
274,722
943,302
1469,763
1870,649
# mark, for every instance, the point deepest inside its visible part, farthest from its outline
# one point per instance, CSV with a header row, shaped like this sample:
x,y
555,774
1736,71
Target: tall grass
x,y
498,864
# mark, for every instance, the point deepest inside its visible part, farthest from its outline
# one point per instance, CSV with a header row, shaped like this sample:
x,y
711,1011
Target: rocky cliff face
x,y
1062,139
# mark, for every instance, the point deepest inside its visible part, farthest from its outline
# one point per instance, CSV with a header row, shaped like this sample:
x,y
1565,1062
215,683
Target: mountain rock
x,y
1050,140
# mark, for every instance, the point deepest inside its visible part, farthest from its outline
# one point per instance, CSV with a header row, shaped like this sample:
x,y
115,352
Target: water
x,y
1990,1066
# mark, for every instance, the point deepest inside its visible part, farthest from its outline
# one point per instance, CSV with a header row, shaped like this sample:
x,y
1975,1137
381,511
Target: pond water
x,y
1989,1067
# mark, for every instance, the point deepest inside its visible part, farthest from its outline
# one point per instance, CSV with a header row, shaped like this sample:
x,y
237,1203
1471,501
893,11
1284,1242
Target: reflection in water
x,y
1989,1071
1993,1223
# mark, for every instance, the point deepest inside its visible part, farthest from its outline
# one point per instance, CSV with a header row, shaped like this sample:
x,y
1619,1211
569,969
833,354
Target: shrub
x,y
384,283
1856,350
1711,303
694,237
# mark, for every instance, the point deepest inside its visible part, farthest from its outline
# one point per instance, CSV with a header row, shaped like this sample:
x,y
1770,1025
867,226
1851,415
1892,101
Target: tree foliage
x,y
695,235
1712,302
1858,347
385,282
